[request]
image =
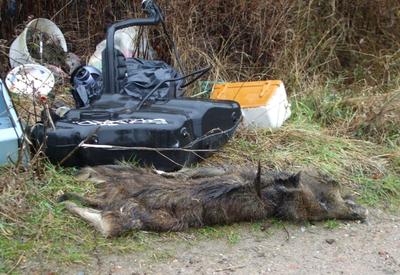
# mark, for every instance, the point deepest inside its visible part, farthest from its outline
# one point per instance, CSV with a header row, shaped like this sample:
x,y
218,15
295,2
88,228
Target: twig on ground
x,y
232,268
17,264
287,233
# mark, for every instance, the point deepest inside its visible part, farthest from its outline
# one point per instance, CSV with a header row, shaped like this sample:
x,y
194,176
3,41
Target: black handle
x,y
109,63
198,74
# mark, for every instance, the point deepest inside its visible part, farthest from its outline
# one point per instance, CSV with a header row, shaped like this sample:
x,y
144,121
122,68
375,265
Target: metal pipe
x,y
109,65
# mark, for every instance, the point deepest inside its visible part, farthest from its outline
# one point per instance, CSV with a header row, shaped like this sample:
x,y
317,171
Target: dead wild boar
x,y
131,198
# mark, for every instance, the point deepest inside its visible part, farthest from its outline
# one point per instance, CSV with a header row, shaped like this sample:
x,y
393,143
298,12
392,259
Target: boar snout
x,y
356,212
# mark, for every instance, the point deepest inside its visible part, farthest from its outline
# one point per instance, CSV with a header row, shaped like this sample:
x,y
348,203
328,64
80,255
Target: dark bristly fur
x,y
135,198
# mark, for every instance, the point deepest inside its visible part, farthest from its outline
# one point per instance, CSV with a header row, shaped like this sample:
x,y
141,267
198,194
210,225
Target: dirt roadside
x,y
350,248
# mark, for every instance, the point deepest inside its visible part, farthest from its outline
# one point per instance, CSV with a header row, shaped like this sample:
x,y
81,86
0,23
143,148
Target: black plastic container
x,y
166,134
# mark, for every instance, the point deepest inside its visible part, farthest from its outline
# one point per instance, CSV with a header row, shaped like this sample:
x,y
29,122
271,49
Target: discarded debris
x,y
138,110
30,79
88,85
330,241
10,129
44,48
130,42
40,42
264,103
136,107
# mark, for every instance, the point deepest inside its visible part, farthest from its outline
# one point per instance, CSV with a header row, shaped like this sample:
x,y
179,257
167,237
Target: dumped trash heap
x,y
134,109
126,107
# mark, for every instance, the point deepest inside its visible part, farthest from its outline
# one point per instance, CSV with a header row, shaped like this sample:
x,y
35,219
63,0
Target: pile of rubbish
x,y
128,106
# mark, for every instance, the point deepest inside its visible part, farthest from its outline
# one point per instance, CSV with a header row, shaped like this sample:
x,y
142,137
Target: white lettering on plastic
x,y
157,121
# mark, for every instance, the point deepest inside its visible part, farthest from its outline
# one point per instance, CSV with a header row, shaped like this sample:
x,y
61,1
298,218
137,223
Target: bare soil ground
x,y
338,248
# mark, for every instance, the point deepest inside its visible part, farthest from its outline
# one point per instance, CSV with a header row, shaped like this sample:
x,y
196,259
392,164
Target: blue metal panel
x,y
10,129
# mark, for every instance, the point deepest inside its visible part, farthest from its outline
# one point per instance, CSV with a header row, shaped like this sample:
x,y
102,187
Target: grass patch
x,y
331,224
228,232
299,145
383,192
34,226
366,113
43,229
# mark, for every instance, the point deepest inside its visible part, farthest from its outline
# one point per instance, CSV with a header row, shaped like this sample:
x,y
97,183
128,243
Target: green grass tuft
x,y
331,224
384,192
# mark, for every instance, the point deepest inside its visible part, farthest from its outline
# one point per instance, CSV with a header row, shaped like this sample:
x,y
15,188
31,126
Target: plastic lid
x,y
30,79
247,94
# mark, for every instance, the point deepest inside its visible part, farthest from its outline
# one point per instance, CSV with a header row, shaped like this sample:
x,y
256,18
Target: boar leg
x,y
96,203
90,174
161,221
135,215
93,216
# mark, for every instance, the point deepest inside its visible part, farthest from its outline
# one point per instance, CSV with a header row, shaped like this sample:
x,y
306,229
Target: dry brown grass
x,y
377,117
293,40
304,43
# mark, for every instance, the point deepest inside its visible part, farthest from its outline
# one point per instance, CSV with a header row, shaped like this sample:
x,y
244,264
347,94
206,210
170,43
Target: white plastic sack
x,y
125,42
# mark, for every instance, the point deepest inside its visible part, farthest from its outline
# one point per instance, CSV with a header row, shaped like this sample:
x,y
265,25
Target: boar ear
x,y
291,181
259,171
295,179
257,180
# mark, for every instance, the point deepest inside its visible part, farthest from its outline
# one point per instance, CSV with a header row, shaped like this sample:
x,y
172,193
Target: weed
x,y
331,224
210,232
233,237
383,191
257,226
219,232
162,256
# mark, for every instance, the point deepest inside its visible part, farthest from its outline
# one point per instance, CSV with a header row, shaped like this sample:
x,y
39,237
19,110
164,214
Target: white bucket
x,y
19,53
30,79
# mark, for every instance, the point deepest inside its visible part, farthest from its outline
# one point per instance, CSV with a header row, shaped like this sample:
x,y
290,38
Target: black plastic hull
x,y
166,135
